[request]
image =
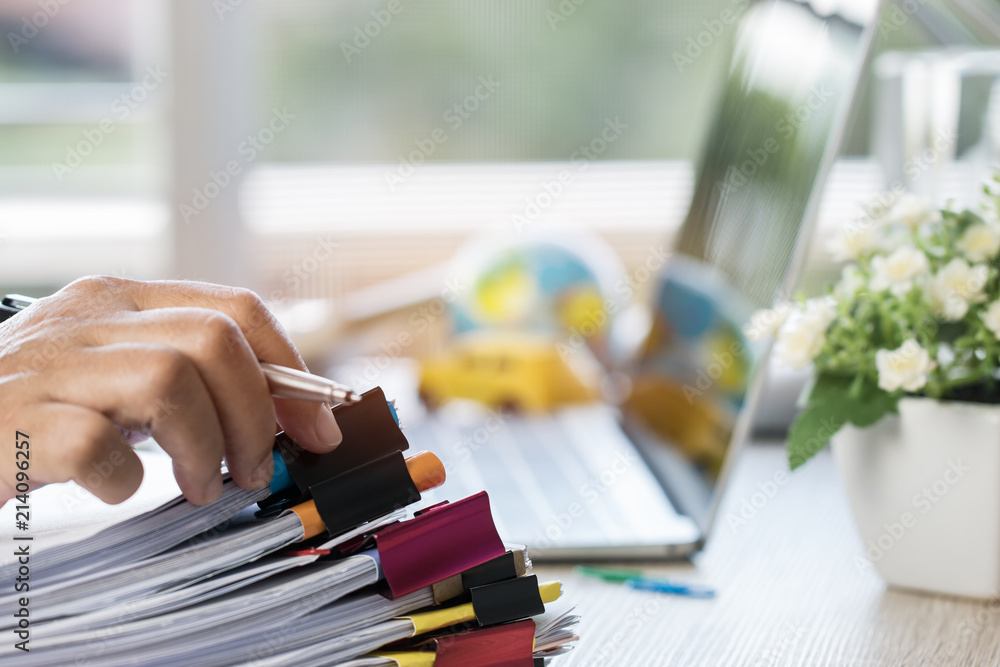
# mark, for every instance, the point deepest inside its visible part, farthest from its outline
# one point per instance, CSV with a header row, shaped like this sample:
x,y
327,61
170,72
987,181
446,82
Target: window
x,y
82,150
367,140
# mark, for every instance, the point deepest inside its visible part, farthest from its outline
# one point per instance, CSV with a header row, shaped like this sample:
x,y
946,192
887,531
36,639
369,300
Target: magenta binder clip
x,y
438,542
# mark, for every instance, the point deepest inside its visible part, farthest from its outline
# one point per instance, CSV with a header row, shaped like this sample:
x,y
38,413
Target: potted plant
x,y
905,351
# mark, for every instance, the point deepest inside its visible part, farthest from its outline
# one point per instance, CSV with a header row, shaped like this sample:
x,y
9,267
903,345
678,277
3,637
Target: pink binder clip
x,y
439,542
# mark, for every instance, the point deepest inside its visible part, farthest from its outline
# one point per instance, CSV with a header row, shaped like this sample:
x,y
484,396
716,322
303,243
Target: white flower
x,y
852,280
905,367
950,291
897,271
853,242
804,332
822,311
765,323
891,239
877,210
911,211
980,242
991,318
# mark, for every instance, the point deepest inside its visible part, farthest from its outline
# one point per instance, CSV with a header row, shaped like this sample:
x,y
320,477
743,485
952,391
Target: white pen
x,y
291,383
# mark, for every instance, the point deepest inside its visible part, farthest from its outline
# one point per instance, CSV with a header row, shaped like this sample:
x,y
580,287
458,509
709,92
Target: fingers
x,y
257,324
69,442
230,371
154,388
309,424
204,392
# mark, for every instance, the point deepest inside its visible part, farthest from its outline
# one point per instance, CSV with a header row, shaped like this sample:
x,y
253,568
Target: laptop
x,y
643,479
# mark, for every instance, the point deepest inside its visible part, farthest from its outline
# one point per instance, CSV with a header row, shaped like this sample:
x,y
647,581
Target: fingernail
x,y
327,429
262,474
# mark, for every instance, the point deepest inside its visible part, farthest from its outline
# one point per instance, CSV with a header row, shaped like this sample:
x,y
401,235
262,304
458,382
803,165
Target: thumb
x,y
311,425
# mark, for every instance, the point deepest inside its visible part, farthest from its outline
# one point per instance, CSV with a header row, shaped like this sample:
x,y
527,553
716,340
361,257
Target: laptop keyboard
x,y
568,480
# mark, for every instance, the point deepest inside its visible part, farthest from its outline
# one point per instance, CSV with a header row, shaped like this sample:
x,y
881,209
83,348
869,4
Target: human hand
x,y
176,360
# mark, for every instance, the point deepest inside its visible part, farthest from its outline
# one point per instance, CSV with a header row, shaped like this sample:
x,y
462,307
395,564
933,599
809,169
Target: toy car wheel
x,y
508,405
428,399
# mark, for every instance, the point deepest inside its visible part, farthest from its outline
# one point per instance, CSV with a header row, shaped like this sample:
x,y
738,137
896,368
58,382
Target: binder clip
x,y
506,601
439,542
510,645
513,564
363,478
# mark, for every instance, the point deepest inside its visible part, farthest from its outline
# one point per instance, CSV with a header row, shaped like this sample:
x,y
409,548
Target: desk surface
x,y
789,593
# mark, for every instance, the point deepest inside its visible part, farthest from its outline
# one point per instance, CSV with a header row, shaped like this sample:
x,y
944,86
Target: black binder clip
x,y
363,478
512,564
508,600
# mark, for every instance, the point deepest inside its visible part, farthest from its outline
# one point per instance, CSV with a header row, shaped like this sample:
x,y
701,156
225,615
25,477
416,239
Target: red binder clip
x,y
508,645
308,552
439,542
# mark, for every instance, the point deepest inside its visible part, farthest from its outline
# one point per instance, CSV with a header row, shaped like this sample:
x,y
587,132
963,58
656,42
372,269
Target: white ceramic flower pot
x,y
924,489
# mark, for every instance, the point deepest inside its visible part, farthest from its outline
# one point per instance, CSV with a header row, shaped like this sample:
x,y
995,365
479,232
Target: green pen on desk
x,y
639,581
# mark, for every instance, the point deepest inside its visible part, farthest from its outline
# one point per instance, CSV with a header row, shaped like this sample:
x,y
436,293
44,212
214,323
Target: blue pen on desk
x,y
673,588
637,580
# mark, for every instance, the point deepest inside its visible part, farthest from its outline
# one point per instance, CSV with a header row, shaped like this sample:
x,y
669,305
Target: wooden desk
x,y
790,592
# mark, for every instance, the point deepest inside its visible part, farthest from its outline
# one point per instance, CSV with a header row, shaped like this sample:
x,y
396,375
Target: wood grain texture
x,y
794,588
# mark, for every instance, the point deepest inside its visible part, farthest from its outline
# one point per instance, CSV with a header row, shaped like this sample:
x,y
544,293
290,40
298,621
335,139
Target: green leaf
x,y
809,434
830,387
832,403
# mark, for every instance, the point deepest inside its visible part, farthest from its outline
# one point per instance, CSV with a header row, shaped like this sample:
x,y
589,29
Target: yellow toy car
x,y
510,372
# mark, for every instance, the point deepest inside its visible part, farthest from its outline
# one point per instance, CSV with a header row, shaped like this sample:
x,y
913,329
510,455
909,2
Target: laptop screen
x,y
790,85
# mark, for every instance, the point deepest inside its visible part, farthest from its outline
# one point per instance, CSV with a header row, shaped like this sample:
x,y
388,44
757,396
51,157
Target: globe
x,y
558,285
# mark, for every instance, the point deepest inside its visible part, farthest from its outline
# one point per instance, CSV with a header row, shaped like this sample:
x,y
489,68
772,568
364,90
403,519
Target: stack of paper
x,y
326,567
